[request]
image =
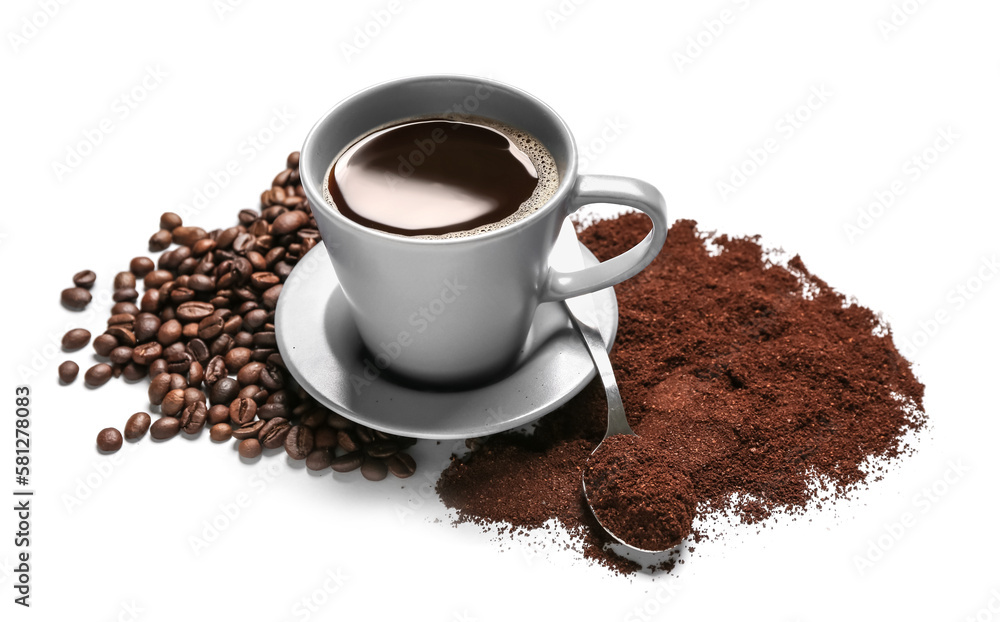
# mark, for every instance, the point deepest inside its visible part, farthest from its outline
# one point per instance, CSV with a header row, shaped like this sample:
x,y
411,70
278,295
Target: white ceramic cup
x,y
456,311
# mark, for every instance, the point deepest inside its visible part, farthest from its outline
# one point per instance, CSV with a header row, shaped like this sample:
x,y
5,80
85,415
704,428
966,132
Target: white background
x,y
123,551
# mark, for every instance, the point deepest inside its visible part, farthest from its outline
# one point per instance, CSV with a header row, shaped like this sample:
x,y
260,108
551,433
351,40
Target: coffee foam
x,y
538,154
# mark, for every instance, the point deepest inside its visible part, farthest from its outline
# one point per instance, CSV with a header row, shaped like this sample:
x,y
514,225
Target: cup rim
x,y
565,181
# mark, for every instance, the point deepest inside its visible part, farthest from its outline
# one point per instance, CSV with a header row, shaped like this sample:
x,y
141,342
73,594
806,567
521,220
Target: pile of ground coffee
x,y
755,378
644,500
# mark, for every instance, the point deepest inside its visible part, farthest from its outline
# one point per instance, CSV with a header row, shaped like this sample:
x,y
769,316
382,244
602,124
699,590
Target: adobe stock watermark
x,y
913,170
32,25
898,17
921,503
651,608
371,29
561,12
225,8
989,611
228,513
591,150
121,108
319,597
712,28
785,128
128,611
250,146
956,299
419,321
101,470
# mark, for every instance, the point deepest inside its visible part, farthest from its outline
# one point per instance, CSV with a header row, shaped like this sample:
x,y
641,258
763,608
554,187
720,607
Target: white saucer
x,y
323,351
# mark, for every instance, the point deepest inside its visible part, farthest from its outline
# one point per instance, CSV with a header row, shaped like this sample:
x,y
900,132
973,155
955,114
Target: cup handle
x,y
619,191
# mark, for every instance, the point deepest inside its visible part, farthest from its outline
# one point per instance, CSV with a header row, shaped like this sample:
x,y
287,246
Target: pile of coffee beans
x,y
202,332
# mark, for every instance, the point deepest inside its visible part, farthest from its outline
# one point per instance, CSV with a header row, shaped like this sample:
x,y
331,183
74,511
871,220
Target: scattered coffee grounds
x,y
646,501
754,378
202,332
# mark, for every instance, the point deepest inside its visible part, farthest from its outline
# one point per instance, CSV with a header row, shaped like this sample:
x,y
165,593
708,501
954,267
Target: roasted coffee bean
x,y
270,411
104,344
242,410
299,442
257,262
274,432
169,332
125,320
215,369
173,402
313,417
250,448
123,335
68,371
275,361
250,430
121,355
381,449
255,393
75,298
224,391
164,428
177,381
141,266
249,373
325,438
158,367
339,422
270,297
346,441
265,339
256,318
136,426
373,469
84,279
127,294
221,345
125,307
146,353
98,374
194,311
179,363
319,459
237,358
201,283
134,372
146,326
364,434
242,339
264,280
202,247
75,339
160,240
401,465
150,302
210,327
289,222
187,236
159,386
348,462
221,432
180,295
193,395
198,350
124,280
195,374
170,221
109,440
157,279
232,325
175,351
193,417
218,413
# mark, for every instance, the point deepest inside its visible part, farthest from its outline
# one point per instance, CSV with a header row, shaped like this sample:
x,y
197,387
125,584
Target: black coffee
x,y
441,177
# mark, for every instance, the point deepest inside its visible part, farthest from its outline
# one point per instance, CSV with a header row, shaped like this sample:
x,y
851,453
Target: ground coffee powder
x,y
753,376
644,500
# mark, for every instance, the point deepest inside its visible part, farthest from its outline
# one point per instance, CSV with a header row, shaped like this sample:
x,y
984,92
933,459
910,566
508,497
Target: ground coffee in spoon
x,y
753,376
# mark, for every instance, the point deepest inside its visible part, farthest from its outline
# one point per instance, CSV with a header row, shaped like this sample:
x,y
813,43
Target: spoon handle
x,y
581,312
